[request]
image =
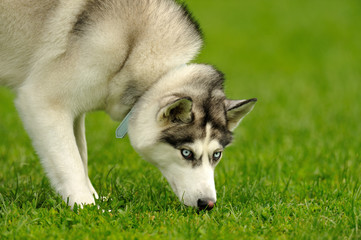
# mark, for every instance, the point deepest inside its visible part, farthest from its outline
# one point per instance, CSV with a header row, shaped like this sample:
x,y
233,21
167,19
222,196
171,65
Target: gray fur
x,y
64,58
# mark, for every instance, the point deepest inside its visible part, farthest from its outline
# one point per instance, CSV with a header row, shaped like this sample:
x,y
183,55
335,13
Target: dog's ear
x,y
237,110
176,110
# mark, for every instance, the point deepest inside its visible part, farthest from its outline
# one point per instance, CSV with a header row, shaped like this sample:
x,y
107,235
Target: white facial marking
x,y
205,147
192,179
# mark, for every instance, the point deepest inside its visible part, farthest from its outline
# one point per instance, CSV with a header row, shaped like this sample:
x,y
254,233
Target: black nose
x,y
205,204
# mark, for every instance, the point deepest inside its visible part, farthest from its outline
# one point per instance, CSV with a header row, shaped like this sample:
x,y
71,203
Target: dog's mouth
x,y
201,204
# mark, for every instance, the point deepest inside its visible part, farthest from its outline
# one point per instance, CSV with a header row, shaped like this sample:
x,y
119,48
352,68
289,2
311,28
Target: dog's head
x,y
182,125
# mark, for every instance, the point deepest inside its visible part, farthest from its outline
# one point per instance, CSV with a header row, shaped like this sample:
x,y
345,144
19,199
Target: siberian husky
x,y
64,58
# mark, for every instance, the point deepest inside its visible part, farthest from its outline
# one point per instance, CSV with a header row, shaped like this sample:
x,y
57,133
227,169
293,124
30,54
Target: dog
x,y
131,59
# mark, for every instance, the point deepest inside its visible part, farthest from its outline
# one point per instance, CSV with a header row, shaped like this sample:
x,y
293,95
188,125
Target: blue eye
x,y
217,156
187,154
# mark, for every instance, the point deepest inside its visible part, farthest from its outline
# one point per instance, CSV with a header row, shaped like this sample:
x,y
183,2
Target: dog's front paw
x,y
80,198
92,190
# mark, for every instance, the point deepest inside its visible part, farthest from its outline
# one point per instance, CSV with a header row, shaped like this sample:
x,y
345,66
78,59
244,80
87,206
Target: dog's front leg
x,y
79,131
50,125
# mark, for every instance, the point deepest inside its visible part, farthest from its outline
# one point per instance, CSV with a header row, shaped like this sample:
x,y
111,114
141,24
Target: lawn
x,y
293,171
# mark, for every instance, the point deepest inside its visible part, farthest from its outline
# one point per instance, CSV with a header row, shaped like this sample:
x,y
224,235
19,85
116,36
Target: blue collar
x,y
122,129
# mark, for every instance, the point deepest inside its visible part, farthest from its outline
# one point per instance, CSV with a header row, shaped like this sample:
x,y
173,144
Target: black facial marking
x,y
197,162
179,134
215,114
213,108
208,108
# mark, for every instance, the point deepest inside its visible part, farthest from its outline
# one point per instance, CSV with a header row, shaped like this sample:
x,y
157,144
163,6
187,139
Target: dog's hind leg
x,y
79,131
50,124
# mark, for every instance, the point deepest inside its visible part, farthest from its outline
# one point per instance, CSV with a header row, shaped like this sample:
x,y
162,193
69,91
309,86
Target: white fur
x,y
59,77
188,183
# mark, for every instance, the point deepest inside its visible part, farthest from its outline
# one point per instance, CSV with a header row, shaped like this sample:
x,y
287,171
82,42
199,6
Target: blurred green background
x,y
294,168
302,60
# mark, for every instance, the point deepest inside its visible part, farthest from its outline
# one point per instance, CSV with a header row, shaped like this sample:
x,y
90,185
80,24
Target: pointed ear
x,y
237,110
176,110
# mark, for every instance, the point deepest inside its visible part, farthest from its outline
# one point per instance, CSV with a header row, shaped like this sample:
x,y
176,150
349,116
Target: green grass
x,y
293,171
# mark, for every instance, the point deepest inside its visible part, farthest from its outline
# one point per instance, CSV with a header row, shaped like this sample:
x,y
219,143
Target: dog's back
x,y
148,37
